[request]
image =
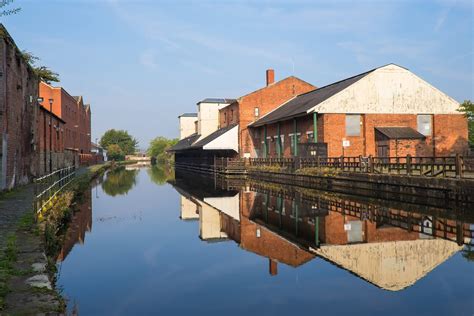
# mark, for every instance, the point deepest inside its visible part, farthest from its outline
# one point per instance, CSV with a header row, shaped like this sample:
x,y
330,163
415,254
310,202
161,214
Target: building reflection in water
x,y
81,223
388,244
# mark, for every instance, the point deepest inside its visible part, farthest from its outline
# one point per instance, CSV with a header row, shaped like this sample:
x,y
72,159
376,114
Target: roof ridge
x,y
342,80
274,84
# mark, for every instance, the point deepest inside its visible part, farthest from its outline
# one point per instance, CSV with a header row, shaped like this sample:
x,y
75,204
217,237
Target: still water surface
x,y
144,243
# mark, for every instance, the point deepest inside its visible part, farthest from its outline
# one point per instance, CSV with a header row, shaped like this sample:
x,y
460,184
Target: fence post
x,y
371,164
409,164
459,171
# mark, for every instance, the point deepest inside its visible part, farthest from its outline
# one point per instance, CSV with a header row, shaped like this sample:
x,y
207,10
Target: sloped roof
x,y
42,107
206,140
400,132
303,102
217,100
188,115
184,143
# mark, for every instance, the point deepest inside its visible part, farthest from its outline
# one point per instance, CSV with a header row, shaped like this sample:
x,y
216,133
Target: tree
x,y
43,72
5,12
160,174
125,141
119,181
114,152
158,148
467,107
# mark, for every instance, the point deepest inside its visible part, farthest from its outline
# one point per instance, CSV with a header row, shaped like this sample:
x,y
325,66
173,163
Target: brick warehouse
x,y
228,135
387,111
256,104
50,141
18,112
76,114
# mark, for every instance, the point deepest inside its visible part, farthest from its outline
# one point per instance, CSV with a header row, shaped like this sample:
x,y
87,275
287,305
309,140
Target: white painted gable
x,y
228,205
389,90
227,141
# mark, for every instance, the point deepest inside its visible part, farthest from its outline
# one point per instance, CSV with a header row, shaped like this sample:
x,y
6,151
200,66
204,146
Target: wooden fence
x,y
446,167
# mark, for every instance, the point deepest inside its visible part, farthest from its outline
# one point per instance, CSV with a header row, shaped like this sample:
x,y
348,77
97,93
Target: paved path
x,y
13,205
27,293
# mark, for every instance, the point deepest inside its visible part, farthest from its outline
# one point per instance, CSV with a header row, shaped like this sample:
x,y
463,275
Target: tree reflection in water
x,y
119,181
160,174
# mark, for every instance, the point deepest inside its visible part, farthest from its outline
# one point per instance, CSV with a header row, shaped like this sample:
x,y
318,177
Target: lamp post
x,y
50,134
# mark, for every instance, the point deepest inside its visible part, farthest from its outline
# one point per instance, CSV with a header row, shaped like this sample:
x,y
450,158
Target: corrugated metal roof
x,y
303,102
184,143
206,140
217,100
400,132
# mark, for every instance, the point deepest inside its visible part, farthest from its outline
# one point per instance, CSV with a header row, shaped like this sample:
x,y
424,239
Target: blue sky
x,y
142,63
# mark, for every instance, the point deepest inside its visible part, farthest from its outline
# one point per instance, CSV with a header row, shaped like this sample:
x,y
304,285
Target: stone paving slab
x,y
31,291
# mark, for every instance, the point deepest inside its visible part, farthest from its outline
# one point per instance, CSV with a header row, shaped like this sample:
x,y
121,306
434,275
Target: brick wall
x,y
450,135
18,111
77,129
266,100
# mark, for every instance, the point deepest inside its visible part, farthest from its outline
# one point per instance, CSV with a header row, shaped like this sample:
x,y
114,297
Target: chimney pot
x,y
270,76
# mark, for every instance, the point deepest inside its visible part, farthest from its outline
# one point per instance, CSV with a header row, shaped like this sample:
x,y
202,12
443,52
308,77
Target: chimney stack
x,y
270,76
273,267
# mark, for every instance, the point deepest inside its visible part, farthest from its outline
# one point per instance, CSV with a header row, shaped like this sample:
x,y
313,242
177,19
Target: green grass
x,y
7,258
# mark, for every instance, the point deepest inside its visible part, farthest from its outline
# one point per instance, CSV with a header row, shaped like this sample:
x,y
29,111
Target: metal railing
x,y
47,187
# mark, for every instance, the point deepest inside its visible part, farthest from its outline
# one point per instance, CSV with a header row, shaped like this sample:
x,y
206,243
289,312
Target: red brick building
x,y
50,141
77,115
230,137
252,106
18,111
387,111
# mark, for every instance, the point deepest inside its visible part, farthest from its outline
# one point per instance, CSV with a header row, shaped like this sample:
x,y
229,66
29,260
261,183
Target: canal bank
x,y
28,248
359,179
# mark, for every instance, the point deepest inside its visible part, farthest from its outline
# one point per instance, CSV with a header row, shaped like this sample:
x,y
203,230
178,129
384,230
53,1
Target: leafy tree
x,y
43,72
5,12
125,141
158,148
119,181
114,152
467,107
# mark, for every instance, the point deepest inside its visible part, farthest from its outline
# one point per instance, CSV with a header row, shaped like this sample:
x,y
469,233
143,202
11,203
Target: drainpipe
x,y
315,127
433,135
264,141
279,141
295,149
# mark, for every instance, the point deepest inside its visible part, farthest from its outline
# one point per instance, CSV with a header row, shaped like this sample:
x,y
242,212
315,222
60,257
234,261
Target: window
x,y
352,125
257,112
424,124
231,115
225,117
292,141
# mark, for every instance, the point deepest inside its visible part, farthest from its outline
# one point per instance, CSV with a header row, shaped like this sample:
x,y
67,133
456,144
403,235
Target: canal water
x,y
148,241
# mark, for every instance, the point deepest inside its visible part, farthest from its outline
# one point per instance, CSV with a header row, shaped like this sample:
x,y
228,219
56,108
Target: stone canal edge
x,y
28,252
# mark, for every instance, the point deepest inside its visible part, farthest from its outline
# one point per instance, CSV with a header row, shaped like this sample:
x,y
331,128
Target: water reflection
x,y
81,223
120,180
160,174
391,245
